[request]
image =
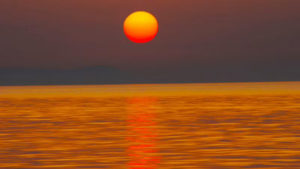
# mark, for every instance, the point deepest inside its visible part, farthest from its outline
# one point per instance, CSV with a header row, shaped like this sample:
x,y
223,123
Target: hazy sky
x,y
195,36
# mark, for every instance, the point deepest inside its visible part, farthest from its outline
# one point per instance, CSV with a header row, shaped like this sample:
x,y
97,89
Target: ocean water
x,y
171,126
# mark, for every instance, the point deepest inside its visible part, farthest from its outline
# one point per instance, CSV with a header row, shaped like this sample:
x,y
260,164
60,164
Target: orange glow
x,y
143,151
141,27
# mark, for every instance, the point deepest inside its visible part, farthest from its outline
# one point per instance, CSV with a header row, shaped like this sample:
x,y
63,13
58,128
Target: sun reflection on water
x,y
142,134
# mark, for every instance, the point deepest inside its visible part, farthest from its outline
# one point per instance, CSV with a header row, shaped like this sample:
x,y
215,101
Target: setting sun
x,y
141,27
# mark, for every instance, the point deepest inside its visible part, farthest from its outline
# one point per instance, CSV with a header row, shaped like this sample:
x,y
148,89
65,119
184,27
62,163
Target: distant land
x,y
111,75
89,75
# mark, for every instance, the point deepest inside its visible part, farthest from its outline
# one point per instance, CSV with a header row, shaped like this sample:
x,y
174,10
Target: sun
x,y
141,27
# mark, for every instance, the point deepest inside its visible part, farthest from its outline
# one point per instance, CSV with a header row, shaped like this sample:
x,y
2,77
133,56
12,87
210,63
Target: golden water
x,y
178,126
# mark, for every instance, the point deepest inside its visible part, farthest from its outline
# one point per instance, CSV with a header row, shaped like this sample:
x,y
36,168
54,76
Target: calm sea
x,y
171,126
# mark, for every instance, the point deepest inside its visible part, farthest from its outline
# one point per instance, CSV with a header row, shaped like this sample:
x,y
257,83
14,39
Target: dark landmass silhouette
x,y
89,75
111,75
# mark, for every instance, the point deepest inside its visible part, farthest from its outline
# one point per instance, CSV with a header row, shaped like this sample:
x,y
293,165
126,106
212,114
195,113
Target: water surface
x,y
179,126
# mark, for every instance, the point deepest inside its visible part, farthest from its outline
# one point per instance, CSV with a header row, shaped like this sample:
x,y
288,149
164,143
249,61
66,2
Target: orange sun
x,y
141,27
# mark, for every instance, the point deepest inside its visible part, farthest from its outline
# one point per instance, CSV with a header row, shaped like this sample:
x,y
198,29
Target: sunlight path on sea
x,y
143,151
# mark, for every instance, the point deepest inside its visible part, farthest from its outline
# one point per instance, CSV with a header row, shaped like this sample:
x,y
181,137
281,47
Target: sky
x,y
209,40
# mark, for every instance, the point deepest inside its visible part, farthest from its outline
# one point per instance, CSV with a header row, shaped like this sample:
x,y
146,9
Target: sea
x,y
151,126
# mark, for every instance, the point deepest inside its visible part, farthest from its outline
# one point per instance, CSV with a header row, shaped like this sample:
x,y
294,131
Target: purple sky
x,y
194,36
